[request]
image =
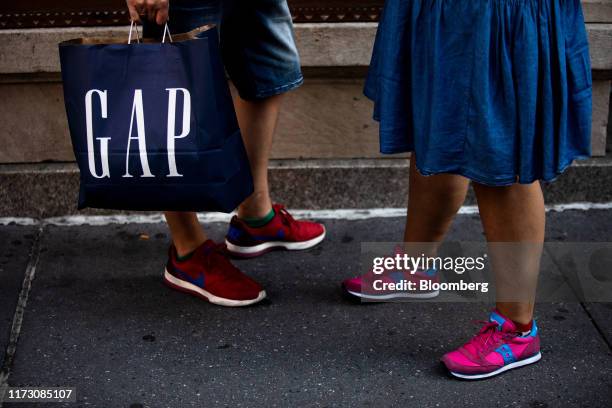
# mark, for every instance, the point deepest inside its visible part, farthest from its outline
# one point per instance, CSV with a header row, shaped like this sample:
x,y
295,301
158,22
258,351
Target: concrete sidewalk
x,y
98,318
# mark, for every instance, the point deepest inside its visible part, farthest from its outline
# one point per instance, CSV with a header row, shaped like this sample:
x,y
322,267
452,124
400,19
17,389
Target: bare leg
x,y
187,233
433,202
257,123
514,214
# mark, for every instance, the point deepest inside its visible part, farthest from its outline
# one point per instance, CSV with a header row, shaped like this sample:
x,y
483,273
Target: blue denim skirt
x,y
498,91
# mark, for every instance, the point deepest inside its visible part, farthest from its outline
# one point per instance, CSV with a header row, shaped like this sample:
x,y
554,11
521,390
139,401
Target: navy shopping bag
x,y
153,126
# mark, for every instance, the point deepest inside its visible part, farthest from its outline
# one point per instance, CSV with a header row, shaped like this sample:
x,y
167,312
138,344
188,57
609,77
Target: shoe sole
x,y
426,295
257,250
192,289
533,359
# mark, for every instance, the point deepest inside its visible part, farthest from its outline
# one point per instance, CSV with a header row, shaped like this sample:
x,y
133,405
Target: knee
x,y
449,193
440,202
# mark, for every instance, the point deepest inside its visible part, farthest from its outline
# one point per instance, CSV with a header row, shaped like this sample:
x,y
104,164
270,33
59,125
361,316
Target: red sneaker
x,y
209,275
283,231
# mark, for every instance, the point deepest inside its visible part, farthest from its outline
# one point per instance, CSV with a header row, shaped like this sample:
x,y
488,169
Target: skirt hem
x,y
501,181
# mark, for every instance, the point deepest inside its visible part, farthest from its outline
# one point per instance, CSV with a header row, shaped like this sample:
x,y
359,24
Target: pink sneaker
x,y
393,285
390,285
495,349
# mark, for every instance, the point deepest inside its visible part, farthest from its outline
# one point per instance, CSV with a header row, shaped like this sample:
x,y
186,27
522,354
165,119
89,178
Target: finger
x,y
162,16
140,7
151,8
133,14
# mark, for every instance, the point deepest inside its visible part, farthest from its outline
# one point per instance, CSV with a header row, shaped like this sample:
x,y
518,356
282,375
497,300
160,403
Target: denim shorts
x,y
256,39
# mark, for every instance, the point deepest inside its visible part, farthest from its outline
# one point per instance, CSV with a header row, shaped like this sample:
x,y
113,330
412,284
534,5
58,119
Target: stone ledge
x,y
322,119
320,44
597,11
46,190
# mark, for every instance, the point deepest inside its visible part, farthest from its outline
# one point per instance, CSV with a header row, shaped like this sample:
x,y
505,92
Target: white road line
x,y
338,214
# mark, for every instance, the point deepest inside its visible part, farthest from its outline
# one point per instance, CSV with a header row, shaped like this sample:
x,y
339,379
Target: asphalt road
x,y
98,318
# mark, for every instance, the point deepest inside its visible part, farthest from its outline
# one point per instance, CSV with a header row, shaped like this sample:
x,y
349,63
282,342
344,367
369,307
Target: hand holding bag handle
x,y
155,11
134,26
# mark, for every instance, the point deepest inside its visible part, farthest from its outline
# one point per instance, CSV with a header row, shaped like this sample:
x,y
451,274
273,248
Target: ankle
x,y
258,205
184,249
523,327
259,221
522,321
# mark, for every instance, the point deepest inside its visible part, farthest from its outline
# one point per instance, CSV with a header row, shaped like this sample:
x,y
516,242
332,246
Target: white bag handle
x,y
133,26
166,30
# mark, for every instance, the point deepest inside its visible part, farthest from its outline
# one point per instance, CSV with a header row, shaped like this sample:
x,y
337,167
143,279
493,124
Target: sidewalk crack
x,y
578,298
597,327
11,349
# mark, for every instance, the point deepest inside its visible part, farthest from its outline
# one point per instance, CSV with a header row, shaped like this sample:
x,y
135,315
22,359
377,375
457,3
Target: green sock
x,y
259,222
185,257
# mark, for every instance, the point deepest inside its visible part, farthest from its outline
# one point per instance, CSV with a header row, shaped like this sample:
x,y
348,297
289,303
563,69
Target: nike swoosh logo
x,y
280,234
199,281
